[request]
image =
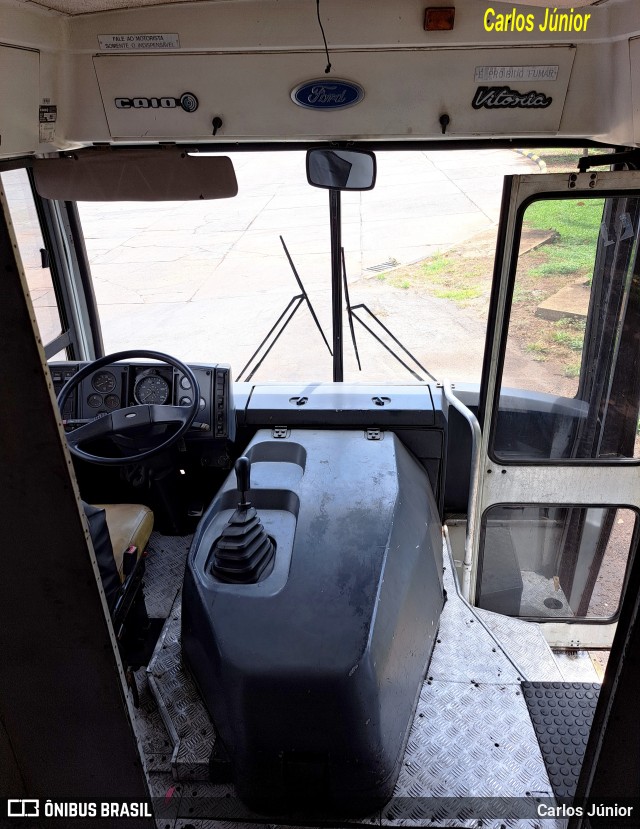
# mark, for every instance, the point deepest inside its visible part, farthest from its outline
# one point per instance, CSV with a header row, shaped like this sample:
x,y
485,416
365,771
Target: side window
x,y
573,334
33,253
555,562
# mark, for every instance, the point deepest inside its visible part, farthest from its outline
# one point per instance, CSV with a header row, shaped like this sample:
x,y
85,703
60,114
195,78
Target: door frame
x,y
569,482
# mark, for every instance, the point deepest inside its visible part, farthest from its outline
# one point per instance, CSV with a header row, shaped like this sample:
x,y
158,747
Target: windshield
x,y
208,280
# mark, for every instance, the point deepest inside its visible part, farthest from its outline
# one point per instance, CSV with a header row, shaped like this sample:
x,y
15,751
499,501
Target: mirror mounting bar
x,y
631,158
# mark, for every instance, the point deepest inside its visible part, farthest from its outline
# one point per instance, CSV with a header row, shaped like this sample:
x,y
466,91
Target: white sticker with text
x,y
138,42
494,74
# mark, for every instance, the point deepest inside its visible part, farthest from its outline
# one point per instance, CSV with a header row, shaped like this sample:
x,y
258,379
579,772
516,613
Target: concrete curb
x,y
536,158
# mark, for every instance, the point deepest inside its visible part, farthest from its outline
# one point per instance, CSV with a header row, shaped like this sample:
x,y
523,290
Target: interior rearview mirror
x,y
341,169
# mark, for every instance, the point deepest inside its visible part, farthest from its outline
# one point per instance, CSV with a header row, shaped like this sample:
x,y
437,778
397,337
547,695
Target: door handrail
x,y
474,486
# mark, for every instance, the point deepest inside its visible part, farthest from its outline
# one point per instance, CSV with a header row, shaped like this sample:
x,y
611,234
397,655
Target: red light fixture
x,y
439,19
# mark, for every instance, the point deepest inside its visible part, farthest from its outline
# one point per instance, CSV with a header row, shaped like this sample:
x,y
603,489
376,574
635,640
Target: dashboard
x,y
416,413
137,383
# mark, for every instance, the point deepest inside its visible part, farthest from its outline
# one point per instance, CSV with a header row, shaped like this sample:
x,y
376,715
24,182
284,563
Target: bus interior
x,y
320,447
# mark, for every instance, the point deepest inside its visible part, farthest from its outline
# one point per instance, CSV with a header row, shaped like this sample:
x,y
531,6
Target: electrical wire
x,y
326,48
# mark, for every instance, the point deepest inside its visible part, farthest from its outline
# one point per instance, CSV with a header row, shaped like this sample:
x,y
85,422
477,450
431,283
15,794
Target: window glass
x,y
546,562
207,280
573,351
30,244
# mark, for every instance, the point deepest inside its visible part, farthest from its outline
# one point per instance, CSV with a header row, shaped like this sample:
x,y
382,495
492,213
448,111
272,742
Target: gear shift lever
x,y
243,477
243,553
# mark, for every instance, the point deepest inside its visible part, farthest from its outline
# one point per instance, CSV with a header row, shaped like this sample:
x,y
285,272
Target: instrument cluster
x,y
135,384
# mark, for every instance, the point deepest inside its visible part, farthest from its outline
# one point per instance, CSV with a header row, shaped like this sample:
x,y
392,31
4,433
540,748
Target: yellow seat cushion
x,y
129,524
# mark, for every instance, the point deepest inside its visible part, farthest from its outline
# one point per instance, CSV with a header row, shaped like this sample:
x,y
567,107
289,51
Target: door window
x,y
554,562
34,255
558,482
576,311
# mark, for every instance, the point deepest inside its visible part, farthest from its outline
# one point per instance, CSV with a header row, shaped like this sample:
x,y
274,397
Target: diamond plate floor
x,y
162,582
528,648
472,736
164,572
180,705
576,666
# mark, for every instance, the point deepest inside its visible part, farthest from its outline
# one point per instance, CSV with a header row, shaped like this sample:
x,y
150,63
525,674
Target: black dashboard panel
x,y
131,383
415,413
341,405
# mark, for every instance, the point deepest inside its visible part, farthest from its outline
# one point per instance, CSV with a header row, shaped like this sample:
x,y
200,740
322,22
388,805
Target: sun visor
x,y
163,174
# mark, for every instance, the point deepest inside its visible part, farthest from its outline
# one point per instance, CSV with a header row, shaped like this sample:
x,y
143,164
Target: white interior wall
x,y
410,76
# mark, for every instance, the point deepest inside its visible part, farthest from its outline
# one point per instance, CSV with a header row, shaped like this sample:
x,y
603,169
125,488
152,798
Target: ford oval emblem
x,y
327,94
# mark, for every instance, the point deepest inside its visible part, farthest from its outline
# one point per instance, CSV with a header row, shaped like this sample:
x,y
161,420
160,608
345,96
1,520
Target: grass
x,y
446,276
565,159
414,275
574,343
576,223
566,257
458,294
434,266
558,341
521,294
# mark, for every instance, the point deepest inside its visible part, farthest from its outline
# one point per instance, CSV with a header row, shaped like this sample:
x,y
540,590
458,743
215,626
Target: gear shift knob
x,y
243,552
243,477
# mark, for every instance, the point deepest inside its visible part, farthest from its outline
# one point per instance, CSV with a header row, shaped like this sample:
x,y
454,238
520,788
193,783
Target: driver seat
x,y
120,533
130,525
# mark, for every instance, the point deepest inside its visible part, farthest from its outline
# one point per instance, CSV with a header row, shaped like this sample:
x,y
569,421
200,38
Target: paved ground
x,y
206,280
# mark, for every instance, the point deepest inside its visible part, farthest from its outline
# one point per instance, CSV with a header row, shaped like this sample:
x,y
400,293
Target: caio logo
x,y
187,101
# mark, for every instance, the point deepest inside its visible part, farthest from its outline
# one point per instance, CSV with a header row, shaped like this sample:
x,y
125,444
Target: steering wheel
x,y
121,421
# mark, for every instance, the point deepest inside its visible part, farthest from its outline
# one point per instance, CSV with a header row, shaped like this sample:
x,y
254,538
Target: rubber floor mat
x,y
562,713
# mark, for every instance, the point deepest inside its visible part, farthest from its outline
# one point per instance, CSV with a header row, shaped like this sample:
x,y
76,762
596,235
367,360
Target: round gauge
x,y
103,381
95,401
151,389
185,401
203,402
112,401
185,384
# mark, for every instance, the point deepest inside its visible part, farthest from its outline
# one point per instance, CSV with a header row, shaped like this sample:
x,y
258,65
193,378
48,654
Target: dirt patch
x,y
464,275
565,159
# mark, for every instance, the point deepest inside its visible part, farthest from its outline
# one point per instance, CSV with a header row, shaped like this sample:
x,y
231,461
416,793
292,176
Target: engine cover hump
x,y
312,674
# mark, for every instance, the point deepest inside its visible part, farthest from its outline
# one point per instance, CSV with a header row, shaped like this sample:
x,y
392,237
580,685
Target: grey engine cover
x,y
312,674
